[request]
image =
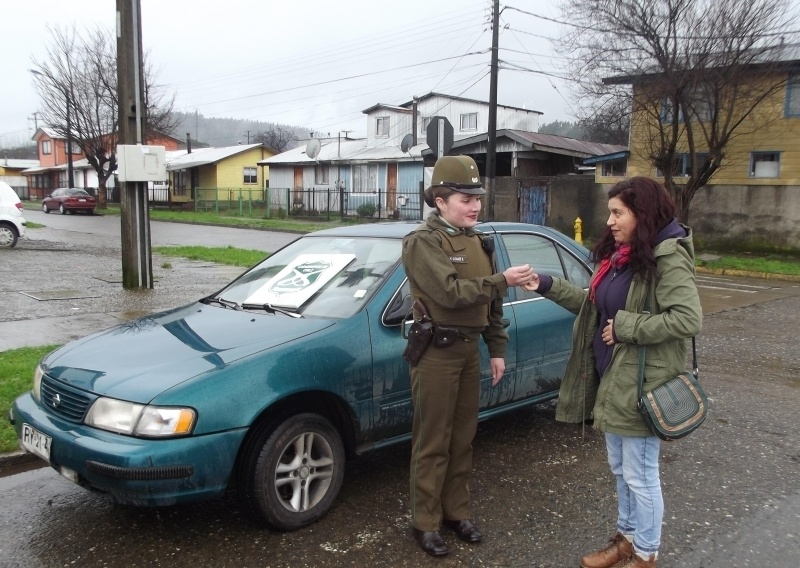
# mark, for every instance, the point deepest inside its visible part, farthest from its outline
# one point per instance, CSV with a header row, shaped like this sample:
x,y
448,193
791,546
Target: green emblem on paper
x,y
302,276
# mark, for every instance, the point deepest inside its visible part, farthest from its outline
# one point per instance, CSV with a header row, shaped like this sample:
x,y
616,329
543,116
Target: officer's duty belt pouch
x,y
444,336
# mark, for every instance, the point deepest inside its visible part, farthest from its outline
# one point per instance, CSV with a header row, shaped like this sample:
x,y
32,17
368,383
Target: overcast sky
x,y
309,63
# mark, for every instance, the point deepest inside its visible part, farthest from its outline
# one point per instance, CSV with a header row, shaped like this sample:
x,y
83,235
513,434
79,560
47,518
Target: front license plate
x,y
82,200
36,442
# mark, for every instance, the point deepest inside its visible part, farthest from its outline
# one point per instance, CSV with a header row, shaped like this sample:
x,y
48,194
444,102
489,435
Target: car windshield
x,y
77,192
317,276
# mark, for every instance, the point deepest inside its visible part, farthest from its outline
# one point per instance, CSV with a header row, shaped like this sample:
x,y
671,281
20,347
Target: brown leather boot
x,y
618,549
639,562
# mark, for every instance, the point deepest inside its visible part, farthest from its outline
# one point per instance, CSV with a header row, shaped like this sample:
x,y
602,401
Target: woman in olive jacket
x,y
643,252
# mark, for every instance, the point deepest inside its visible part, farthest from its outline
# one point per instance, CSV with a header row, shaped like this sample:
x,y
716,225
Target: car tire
x,y
8,235
90,211
292,473
62,209
45,208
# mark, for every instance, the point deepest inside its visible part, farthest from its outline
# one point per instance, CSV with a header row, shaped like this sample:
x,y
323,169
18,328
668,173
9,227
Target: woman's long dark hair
x,y
653,208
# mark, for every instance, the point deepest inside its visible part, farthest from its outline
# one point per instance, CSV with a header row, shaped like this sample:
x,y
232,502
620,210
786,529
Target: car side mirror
x,y
398,310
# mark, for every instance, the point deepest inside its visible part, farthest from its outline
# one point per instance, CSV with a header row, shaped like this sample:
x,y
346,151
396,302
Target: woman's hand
x,y
498,365
518,275
533,285
608,333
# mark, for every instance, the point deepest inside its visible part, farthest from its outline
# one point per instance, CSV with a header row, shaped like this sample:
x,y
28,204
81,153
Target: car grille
x,y
64,401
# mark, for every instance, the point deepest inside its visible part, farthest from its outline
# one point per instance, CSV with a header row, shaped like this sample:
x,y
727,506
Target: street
x,y
542,492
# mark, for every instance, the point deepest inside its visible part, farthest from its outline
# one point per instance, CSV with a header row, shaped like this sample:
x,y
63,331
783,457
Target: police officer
x,y
450,268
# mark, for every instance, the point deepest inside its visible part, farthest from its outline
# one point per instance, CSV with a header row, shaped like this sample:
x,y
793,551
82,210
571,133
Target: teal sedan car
x,y
267,386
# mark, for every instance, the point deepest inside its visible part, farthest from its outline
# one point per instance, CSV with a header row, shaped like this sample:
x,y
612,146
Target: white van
x,y
12,223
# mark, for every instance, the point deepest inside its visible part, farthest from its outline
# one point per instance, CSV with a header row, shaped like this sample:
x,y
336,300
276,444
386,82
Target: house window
x,y
250,175
382,126
365,178
321,175
424,125
469,121
179,181
793,96
683,164
74,148
46,147
765,164
614,168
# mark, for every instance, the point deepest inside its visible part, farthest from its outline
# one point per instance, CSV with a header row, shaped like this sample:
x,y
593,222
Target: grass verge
x,y
766,263
221,255
16,370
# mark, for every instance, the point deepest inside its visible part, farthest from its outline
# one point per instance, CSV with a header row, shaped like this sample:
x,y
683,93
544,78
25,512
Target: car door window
x,y
540,253
576,270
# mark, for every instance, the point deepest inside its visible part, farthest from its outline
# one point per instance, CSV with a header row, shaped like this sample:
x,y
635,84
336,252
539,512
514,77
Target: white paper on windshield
x,y
300,279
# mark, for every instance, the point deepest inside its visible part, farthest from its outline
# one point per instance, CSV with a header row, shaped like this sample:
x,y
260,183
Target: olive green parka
x,y
675,315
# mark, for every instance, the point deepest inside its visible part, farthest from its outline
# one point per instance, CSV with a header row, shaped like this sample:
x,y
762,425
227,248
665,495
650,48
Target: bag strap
x,y
695,368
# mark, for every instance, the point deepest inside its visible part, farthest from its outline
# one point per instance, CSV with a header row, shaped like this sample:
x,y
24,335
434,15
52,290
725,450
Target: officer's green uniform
x,y
451,272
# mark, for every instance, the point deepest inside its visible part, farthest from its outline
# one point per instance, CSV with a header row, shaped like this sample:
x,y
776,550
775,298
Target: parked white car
x,y
12,222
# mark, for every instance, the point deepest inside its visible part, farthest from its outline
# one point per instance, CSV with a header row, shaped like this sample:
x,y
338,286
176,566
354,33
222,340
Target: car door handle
x,y
506,322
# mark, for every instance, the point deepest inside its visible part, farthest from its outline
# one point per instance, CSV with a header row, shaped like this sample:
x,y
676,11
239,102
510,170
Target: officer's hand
x,y
518,275
498,365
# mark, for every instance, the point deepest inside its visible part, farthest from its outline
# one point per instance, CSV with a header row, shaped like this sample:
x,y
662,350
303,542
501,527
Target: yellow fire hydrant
x,y
578,230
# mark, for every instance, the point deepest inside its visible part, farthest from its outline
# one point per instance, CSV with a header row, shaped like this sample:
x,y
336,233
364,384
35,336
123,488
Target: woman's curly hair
x,y
653,208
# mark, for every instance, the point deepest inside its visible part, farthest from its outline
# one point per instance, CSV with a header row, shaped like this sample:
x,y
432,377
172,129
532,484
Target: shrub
x,y
366,209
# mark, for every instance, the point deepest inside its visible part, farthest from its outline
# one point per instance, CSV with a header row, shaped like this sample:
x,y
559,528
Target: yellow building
x,y
753,199
213,175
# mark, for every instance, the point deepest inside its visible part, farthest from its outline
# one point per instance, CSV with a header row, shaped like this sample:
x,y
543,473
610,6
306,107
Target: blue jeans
x,y
634,463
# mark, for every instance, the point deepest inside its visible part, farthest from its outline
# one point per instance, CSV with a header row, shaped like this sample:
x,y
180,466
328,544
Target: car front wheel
x,y
8,235
292,474
62,209
45,208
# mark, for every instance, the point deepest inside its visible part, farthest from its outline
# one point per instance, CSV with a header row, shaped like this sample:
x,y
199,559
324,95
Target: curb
x,y
746,273
16,458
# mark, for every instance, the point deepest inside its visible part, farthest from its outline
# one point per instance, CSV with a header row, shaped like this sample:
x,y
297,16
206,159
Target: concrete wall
x,y
737,217
742,217
569,197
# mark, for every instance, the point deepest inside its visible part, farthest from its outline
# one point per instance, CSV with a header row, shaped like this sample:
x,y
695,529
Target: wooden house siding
x,y
767,130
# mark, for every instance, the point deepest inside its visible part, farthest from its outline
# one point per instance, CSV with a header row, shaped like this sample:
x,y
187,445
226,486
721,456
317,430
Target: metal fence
x,y
157,194
329,202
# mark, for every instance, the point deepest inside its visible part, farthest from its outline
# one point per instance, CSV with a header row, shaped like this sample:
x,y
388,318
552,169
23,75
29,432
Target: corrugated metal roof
x,y
546,143
205,156
18,163
434,94
348,151
390,107
543,141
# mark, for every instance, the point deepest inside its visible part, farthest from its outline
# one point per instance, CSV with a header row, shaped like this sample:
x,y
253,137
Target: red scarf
x,y
621,257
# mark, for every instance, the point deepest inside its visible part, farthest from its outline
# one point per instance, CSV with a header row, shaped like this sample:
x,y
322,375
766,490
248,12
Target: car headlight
x,y
37,383
140,420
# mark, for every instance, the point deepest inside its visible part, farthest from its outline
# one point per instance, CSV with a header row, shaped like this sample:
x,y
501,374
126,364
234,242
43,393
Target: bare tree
x,y
693,72
609,123
81,71
277,138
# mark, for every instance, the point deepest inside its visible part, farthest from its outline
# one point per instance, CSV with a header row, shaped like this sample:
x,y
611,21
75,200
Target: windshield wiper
x,y
230,304
271,308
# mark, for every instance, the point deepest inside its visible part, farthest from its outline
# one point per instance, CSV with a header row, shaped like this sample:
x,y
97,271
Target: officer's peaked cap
x,y
459,173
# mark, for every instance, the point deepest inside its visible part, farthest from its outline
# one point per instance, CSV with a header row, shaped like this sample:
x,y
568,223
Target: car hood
x,y
142,358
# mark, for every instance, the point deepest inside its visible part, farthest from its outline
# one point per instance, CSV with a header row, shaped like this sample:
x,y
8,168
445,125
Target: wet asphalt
x,y
542,493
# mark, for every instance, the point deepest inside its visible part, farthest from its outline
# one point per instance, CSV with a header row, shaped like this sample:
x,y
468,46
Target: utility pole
x,y
137,261
491,148
70,170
